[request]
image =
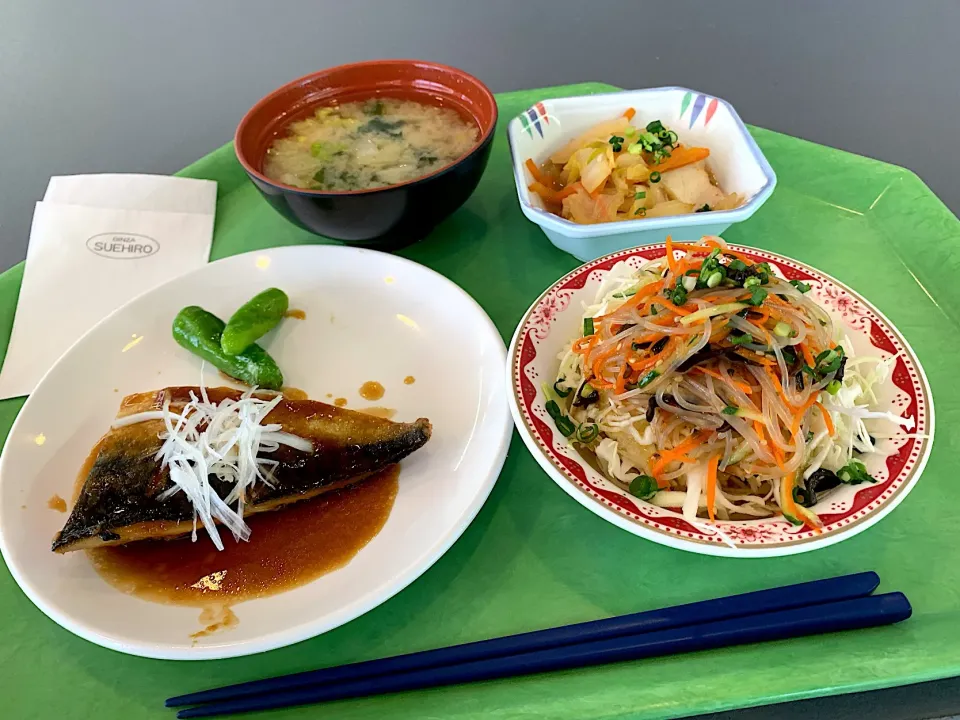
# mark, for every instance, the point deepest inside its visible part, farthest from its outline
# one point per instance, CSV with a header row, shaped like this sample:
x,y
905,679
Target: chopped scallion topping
x,y
640,195
588,327
563,423
643,487
854,473
730,410
757,296
654,177
648,378
782,329
587,433
801,286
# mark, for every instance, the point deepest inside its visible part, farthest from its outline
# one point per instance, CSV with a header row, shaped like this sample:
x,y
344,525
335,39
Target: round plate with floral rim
x,y
556,317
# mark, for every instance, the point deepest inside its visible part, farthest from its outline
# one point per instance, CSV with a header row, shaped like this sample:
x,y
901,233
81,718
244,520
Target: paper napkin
x,y
98,241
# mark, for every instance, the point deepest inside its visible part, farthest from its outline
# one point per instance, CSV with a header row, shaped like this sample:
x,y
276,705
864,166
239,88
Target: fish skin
x,y
118,500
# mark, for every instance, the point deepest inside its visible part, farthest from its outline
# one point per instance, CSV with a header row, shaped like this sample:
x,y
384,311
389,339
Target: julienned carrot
x,y
630,112
680,156
691,248
787,495
620,385
596,363
798,418
569,190
635,300
720,335
671,260
710,242
544,192
538,175
759,427
807,355
677,453
712,464
743,387
653,359
581,348
776,383
663,302
827,420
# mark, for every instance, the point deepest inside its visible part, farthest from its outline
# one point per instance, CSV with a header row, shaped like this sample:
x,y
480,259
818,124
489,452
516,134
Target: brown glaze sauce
x,y
287,548
409,380
292,393
214,619
340,402
380,412
57,503
295,314
371,390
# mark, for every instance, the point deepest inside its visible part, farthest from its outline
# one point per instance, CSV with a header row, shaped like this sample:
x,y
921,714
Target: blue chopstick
x,y
830,617
781,598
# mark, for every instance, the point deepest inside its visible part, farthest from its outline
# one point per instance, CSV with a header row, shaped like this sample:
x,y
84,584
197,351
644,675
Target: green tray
x,y
533,558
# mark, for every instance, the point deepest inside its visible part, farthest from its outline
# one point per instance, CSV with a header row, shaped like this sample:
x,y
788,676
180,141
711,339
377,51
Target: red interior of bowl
x,y
424,82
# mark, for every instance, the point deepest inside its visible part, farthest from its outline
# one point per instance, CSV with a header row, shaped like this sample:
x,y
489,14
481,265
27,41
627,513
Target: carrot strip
x,y
543,191
630,112
597,363
720,335
727,251
619,386
642,293
663,302
746,389
677,453
712,464
827,420
537,174
584,349
653,359
569,190
774,450
798,418
671,260
807,355
681,156
791,505
776,383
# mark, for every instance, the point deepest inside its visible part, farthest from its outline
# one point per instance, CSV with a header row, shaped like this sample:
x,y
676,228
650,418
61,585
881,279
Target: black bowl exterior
x,y
385,218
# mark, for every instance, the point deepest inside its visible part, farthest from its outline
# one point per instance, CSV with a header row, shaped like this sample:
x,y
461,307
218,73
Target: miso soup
x,y
370,144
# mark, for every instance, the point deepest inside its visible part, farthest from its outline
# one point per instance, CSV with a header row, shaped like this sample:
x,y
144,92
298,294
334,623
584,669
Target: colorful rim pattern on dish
x,y
536,117
870,502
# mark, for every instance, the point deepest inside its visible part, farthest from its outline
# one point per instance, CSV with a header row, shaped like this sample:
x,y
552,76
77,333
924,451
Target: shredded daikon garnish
x,y
225,440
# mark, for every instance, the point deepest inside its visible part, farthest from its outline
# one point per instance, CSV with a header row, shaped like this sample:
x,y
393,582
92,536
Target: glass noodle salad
x,y
707,383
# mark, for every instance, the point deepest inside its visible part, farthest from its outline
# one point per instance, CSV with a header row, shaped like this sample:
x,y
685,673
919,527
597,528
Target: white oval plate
x,y
556,317
369,316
